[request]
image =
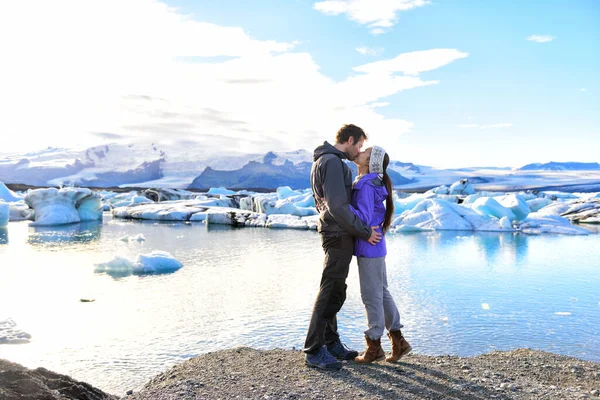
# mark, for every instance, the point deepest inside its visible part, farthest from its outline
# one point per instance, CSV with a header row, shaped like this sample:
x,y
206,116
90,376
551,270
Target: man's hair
x,y
349,130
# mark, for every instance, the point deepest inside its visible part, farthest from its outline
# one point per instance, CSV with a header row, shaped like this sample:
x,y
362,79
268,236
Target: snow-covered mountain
x,y
150,165
144,165
561,166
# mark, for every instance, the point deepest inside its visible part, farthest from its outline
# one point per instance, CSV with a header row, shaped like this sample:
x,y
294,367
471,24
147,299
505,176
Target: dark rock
x,y
18,382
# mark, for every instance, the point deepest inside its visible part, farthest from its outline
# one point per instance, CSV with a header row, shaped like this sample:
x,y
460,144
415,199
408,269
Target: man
x,y
331,182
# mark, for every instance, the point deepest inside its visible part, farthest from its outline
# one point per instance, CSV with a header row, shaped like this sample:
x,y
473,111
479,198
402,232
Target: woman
x,y
372,187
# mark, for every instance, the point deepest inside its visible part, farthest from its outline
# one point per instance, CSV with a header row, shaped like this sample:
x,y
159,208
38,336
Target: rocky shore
x,y
244,373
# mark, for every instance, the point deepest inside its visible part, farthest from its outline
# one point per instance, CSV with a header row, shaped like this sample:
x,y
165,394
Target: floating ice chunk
x,y
90,208
485,306
8,195
516,203
442,215
20,211
408,229
439,190
563,313
462,187
505,223
583,211
444,319
286,222
154,263
181,210
4,213
285,192
537,223
10,334
60,206
487,206
118,266
137,238
234,217
410,202
538,203
220,190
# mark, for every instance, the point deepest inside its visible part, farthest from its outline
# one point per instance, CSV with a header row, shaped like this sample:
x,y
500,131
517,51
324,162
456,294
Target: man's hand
x,y
375,236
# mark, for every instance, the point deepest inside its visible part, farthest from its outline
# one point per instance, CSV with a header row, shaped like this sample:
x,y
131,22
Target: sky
x,y
445,83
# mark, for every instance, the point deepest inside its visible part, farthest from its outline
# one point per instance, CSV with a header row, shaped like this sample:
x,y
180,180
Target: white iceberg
x,y
8,195
156,262
487,206
137,238
537,223
243,218
61,206
443,215
584,211
538,203
220,190
10,334
178,210
516,203
281,202
462,187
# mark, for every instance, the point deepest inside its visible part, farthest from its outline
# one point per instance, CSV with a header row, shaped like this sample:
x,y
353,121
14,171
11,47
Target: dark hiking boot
x,y
340,351
322,360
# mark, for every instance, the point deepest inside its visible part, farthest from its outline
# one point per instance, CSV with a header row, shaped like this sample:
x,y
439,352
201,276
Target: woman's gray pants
x,y
381,309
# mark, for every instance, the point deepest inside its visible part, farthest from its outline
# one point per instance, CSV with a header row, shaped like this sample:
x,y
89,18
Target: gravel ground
x,y
244,373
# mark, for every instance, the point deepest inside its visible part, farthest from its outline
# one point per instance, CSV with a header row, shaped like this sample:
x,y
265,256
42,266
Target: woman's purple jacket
x,y
368,197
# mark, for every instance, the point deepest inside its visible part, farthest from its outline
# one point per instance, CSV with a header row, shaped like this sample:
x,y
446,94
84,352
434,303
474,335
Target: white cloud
x,y
414,62
366,51
541,38
142,71
377,14
477,126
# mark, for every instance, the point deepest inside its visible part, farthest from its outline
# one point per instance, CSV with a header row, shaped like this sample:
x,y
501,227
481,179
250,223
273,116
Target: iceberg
x,y
10,334
538,203
137,238
177,210
157,262
462,187
537,223
4,213
487,206
516,203
443,215
220,190
8,195
585,211
61,206
242,218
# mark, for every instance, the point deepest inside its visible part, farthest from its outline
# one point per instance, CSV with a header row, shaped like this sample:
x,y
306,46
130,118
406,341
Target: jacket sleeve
x,y
336,199
364,204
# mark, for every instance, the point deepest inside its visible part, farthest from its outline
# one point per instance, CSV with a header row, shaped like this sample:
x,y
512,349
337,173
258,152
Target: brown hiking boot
x,y
400,346
374,352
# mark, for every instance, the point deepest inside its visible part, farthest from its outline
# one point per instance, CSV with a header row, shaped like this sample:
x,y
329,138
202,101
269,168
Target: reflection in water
x,y
3,235
81,232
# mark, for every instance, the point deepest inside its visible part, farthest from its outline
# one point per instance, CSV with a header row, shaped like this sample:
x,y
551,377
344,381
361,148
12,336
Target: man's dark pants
x,y
322,330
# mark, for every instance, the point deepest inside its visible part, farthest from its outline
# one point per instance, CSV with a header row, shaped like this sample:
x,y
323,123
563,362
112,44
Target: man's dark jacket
x,y
331,182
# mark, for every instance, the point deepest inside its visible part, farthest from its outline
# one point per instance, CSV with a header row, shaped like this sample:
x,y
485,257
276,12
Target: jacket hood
x,y
374,181
327,148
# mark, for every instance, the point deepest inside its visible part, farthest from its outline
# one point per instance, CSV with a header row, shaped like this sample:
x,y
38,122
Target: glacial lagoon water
x,y
459,293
